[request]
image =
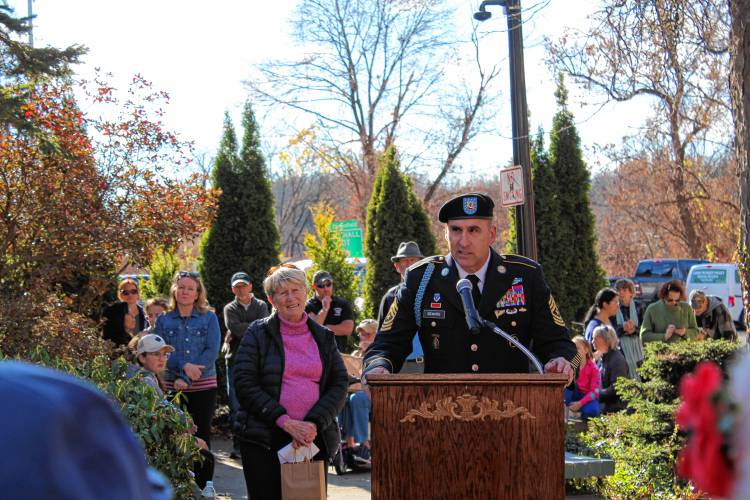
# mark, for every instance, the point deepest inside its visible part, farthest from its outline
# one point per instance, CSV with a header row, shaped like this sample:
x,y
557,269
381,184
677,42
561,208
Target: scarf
x,y
633,314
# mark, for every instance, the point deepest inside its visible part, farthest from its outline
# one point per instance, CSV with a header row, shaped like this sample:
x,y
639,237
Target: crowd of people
x,y
616,328
288,382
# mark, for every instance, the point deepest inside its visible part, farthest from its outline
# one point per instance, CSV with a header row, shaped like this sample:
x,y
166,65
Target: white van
x,y
719,280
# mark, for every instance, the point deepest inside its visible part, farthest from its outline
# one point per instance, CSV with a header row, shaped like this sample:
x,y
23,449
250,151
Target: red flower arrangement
x,y
705,413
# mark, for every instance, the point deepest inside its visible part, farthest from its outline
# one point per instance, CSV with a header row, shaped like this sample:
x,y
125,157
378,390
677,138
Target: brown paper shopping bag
x,y
303,481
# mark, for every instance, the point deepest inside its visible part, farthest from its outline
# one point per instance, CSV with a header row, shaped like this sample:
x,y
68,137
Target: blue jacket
x,y
196,339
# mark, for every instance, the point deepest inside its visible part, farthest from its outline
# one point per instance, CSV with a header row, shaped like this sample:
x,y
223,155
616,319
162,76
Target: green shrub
x,y
162,429
164,265
643,441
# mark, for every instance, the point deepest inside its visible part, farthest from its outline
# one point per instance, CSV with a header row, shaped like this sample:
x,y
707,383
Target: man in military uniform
x,y
509,290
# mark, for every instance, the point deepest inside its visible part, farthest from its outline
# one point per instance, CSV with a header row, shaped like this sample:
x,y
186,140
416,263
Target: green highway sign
x,y
351,233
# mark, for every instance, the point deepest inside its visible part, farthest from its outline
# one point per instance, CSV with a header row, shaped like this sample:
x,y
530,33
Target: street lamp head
x,y
482,14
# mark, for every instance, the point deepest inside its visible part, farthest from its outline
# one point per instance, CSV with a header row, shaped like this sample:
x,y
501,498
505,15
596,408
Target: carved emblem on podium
x,y
467,408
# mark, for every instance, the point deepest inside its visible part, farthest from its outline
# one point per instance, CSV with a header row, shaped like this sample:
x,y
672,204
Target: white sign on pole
x,y
511,186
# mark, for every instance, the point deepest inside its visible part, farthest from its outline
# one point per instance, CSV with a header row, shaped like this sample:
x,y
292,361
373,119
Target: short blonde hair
x,y
608,334
280,275
201,303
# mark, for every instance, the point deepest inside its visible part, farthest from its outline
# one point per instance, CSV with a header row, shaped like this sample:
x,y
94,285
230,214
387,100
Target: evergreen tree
x,y
394,214
261,242
164,265
22,66
546,214
223,243
244,236
578,270
326,250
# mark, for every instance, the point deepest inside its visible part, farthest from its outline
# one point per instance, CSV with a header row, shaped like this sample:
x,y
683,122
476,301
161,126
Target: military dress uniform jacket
x,y
515,297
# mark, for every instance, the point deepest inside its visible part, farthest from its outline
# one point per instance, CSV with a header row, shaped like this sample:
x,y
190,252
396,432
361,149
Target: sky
x,y
200,52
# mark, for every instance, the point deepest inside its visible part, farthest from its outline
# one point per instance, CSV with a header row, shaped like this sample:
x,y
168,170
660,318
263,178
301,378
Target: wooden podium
x,y
466,436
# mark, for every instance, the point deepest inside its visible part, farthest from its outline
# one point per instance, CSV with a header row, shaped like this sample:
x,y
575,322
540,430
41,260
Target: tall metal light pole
x,y
525,228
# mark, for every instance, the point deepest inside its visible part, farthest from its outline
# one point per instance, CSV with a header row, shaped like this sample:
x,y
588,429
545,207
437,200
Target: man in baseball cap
x,y
238,314
335,313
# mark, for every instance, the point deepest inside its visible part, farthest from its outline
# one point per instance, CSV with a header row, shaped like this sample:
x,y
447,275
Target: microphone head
x,y
463,284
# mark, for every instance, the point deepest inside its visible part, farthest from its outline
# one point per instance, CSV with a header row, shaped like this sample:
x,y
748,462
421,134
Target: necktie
x,y
475,293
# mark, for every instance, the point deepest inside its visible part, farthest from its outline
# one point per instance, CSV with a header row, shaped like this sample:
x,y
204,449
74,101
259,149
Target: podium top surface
x,y
467,379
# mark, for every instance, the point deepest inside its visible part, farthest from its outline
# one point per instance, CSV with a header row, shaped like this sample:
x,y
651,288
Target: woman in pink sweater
x,y
584,397
291,384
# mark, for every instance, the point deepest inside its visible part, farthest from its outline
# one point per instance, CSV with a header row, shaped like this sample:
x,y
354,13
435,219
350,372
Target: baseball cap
x,y
152,343
69,441
240,277
321,277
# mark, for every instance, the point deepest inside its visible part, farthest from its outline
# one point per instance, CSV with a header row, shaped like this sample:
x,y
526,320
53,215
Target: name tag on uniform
x,y
433,314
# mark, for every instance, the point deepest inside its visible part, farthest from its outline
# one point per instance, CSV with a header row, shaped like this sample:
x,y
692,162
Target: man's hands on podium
x,y
560,365
374,371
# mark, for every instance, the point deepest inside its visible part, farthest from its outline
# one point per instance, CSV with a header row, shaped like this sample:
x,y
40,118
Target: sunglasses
x,y
129,291
671,301
188,274
327,284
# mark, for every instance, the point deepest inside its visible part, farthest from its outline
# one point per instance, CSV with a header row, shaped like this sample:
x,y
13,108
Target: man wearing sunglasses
x,y
333,312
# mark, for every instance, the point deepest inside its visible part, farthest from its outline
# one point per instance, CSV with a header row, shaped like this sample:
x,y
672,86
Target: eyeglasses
x,y
327,284
671,301
129,291
280,266
188,274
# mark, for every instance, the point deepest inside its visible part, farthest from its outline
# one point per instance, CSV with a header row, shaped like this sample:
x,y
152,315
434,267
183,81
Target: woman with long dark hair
x,y
605,306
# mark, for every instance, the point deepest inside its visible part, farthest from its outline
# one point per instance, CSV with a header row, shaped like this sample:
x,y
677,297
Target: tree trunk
x,y
740,89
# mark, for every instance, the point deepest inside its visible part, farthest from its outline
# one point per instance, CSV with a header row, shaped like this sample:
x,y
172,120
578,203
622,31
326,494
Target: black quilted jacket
x,y
258,367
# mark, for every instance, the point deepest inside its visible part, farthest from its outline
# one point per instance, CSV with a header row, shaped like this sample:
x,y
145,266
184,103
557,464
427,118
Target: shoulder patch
x,y
553,309
388,321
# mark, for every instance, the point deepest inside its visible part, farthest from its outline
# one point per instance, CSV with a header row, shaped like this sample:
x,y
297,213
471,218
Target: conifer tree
x,y
546,214
222,245
394,214
261,243
580,275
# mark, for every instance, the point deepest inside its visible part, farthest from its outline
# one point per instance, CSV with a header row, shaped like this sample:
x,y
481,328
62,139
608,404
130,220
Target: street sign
x,y
351,233
511,186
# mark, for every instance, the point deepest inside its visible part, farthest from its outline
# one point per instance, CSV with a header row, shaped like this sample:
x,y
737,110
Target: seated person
x,y
612,365
584,397
713,318
356,413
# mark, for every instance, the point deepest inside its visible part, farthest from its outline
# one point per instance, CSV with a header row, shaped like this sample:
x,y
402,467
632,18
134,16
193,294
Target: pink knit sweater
x,y
300,383
589,382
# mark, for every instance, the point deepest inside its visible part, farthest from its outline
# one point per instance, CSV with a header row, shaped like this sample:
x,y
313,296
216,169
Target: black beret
x,y
467,206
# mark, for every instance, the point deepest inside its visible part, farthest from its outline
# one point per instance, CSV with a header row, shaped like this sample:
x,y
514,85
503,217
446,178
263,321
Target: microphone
x,y
463,287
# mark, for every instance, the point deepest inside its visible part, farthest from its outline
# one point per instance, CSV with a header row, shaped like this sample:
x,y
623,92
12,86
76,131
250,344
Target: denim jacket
x,y
196,339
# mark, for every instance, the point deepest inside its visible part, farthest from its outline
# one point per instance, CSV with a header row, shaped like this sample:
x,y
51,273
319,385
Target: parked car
x,y
719,280
650,274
